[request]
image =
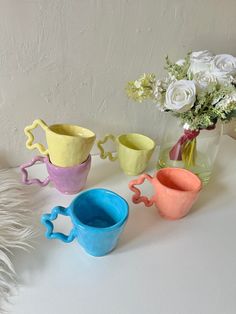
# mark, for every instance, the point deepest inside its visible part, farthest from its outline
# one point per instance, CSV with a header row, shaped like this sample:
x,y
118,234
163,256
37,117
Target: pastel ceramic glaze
x,y
175,191
68,145
98,217
67,180
133,151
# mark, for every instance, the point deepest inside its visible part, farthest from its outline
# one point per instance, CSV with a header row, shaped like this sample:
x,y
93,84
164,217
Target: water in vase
x,y
202,168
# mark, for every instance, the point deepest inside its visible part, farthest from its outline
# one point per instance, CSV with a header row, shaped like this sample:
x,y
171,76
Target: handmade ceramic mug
x,y
67,180
176,190
133,151
68,145
98,217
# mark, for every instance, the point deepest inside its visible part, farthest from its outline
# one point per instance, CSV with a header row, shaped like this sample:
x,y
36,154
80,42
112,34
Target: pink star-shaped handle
x,y
25,176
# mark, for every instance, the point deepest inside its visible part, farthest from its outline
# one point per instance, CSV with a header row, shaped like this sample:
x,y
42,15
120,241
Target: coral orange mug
x,y
176,190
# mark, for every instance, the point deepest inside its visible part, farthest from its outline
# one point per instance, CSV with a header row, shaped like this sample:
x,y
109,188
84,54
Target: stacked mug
x,y
67,157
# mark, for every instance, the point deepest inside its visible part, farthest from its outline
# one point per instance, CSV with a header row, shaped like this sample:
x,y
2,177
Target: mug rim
x,y
91,136
180,170
81,165
140,135
77,222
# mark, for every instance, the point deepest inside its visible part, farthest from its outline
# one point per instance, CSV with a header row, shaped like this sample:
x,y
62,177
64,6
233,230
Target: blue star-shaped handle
x,y
47,219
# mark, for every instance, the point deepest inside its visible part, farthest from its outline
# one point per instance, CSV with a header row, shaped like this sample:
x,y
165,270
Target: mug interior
x,y
179,179
71,130
136,141
100,208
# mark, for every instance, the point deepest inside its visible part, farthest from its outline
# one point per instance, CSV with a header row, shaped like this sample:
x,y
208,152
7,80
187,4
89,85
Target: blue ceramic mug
x,y
98,218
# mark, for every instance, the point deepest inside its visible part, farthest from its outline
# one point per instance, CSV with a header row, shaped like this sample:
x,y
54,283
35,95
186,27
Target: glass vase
x,y
193,150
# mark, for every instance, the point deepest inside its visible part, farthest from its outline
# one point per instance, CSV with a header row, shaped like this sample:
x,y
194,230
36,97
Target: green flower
x,y
180,69
142,89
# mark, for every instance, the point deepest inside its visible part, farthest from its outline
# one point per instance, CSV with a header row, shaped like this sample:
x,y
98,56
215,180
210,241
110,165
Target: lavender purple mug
x,y
67,180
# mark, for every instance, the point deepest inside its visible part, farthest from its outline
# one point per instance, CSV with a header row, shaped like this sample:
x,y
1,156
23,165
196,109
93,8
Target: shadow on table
x,y
102,171
212,192
28,264
145,227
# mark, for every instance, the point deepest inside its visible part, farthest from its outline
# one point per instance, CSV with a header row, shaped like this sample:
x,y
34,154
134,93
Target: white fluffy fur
x,y
16,227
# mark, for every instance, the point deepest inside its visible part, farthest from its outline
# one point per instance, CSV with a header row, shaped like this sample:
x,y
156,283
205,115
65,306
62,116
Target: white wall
x,y
69,60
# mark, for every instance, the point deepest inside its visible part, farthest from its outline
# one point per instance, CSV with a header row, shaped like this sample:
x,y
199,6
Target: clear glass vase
x,y
197,154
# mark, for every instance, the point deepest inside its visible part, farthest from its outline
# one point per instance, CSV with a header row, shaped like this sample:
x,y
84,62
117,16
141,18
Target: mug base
x,y
129,173
100,254
71,192
95,254
169,217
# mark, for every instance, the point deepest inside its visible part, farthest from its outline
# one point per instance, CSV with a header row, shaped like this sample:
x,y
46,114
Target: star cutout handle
x,y
25,176
137,197
103,153
47,219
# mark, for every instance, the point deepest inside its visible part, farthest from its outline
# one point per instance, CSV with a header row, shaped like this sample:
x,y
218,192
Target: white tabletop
x,y
159,267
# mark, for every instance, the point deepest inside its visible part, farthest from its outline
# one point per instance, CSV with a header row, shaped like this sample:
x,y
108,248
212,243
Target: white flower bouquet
x,y
200,90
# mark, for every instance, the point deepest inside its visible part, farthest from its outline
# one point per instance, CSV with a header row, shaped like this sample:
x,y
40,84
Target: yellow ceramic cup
x,y
133,151
68,145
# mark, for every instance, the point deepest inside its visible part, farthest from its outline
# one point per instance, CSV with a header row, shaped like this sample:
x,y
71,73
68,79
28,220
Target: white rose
x,y
180,62
224,67
226,101
203,55
180,95
203,80
200,61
